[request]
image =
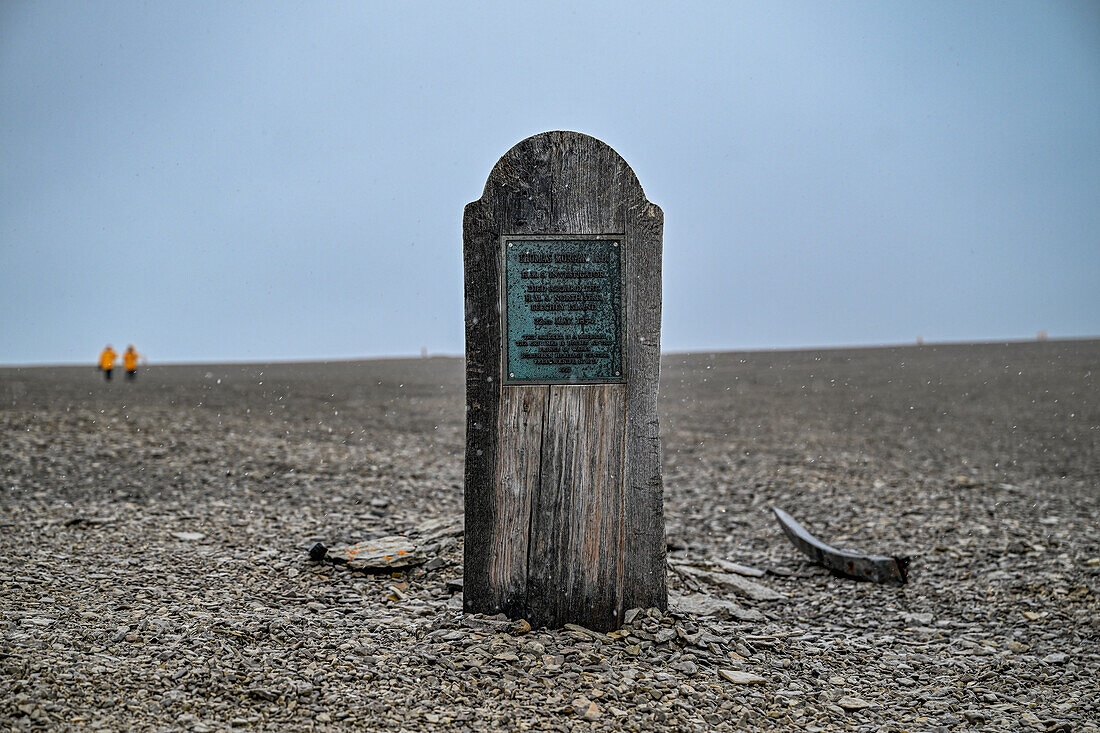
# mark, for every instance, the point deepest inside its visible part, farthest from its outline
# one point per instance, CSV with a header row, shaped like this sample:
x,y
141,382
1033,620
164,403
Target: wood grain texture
x,y
519,456
482,403
517,187
644,583
596,519
574,559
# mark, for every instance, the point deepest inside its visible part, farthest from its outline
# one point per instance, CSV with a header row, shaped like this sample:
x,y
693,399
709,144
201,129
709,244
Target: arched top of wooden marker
x,y
564,171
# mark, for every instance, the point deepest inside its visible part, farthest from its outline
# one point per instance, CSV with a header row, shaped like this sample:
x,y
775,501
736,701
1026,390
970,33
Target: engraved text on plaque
x,y
562,310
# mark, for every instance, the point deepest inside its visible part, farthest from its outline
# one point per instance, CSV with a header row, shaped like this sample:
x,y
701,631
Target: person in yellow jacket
x,y
107,361
130,362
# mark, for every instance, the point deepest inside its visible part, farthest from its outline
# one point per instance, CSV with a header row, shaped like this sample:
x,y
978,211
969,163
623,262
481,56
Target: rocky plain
x,y
155,570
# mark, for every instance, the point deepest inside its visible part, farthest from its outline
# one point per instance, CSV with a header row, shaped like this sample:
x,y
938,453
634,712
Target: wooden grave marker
x,y
563,493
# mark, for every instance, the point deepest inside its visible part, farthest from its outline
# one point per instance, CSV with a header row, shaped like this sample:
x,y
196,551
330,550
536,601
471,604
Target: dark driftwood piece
x,y
564,506
845,563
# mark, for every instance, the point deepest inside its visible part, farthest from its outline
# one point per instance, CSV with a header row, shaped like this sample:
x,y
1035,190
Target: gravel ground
x,y
154,571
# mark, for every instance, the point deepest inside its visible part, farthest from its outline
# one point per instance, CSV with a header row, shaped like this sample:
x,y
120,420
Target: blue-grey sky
x,y
248,181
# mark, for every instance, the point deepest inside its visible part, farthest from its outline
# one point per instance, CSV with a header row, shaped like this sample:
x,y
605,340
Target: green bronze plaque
x,y
562,310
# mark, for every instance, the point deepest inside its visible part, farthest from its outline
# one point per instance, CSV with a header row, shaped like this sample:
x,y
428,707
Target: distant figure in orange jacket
x,y
107,361
130,361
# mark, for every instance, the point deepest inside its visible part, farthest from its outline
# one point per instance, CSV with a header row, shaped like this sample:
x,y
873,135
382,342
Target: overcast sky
x,y
249,181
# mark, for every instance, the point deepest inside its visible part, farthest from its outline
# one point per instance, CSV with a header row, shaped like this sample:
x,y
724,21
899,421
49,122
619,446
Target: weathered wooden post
x,y
564,506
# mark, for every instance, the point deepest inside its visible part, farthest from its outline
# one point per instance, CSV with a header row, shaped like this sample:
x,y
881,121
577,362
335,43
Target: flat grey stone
x,y
849,703
733,567
381,554
435,529
704,605
730,582
741,678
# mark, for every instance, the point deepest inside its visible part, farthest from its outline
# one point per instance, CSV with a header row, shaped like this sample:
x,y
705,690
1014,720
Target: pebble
x,y
686,667
853,703
741,678
120,625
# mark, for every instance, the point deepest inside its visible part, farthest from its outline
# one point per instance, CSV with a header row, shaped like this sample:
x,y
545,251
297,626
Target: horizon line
x,y
674,352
